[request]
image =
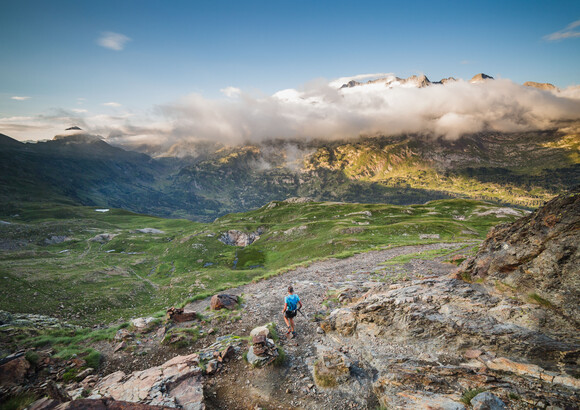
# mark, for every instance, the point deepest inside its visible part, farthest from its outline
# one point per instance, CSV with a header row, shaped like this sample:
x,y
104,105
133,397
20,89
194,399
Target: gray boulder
x,y
487,401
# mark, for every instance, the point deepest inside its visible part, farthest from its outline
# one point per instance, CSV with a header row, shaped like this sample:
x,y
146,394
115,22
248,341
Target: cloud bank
x,y
321,110
113,41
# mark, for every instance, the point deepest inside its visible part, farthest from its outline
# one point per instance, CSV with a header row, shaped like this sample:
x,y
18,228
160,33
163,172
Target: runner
x,y
291,305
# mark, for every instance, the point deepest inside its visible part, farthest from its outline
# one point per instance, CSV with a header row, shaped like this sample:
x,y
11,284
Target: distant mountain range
x,y
422,81
522,169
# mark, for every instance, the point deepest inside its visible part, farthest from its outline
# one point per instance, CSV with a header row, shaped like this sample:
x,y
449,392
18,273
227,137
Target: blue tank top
x,y
292,301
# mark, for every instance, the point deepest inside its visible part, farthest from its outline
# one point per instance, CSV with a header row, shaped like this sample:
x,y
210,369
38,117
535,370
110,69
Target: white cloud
x,y
112,104
231,91
569,31
113,41
20,98
79,110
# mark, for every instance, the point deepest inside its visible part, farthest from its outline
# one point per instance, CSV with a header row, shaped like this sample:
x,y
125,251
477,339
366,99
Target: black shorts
x,y
290,314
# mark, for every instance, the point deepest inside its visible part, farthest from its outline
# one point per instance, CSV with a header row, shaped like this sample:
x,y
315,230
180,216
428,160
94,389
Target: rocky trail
x,y
321,287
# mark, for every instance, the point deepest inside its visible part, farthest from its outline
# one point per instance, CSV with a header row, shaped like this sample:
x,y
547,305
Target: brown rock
x,y
14,371
223,301
211,367
225,354
119,346
178,315
259,339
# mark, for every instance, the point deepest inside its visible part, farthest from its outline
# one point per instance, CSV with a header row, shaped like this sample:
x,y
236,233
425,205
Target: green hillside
x,y
55,260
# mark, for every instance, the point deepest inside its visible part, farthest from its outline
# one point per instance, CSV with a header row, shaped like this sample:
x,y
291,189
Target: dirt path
x,y
291,385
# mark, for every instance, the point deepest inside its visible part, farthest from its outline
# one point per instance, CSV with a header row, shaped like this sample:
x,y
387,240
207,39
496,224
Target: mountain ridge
x,y
523,169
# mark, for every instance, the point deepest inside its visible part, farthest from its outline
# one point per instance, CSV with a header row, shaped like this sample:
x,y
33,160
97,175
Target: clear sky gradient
x,y
80,55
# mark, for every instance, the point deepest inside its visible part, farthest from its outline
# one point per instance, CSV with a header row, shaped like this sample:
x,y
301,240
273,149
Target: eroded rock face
x,y
428,340
537,256
177,382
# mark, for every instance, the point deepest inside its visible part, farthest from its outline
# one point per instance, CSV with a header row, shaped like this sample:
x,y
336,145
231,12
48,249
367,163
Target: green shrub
x,y
70,374
273,332
32,357
514,396
281,358
93,359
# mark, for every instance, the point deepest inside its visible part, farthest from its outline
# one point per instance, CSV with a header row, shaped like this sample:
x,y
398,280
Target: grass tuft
x,y
19,402
468,395
535,298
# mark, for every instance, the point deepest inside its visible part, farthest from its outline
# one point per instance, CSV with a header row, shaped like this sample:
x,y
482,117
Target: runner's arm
x,y
300,303
285,307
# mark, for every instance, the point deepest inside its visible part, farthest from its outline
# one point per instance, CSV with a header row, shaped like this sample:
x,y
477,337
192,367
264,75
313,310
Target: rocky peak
x,y
447,80
417,81
479,78
350,84
541,86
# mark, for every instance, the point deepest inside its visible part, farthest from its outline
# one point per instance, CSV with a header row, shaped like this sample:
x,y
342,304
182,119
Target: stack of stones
x,y
263,350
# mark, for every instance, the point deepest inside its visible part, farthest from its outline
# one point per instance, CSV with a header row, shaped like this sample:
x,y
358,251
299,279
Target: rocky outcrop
x,y
88,404
150,230
427,341
223,301
234,237
176,383
537,257
541,86
102,237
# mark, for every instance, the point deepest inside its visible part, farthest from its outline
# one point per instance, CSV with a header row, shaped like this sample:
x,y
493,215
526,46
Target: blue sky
x,y
52,58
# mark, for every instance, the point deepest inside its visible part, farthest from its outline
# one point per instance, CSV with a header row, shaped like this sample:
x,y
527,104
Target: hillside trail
x,y
321,286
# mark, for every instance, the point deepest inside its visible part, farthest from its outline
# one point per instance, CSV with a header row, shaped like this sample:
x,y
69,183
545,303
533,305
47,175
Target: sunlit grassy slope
x,y
137,273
